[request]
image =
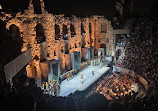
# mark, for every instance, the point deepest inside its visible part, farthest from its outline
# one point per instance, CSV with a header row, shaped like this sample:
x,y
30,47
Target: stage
x,y
70,86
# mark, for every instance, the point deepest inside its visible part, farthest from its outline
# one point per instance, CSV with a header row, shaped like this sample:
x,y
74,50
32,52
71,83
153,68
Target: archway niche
x,y
103,28
90,33
55,53
72,29
82,29
14,34
40,35
65,32
103,46
37,6
57,32
90,28
82,33
75,45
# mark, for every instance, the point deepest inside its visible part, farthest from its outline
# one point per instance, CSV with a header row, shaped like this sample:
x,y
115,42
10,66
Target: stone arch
x,y
57,32
103,27
65,32
72,29
37,6
40,35
14,33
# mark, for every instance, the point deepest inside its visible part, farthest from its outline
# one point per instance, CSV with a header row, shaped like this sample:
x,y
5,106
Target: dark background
x,y
81,8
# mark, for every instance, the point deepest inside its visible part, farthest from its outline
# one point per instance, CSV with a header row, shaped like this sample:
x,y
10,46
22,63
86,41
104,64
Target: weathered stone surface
x,y
27,22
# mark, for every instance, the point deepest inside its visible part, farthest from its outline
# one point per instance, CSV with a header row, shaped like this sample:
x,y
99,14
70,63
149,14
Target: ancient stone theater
x,y
56,37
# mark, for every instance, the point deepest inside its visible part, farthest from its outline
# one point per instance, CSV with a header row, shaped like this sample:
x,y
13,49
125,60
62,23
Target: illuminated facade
x,y
56,36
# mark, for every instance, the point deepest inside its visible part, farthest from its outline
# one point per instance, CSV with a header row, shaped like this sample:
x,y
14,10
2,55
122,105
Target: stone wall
x,y
28,22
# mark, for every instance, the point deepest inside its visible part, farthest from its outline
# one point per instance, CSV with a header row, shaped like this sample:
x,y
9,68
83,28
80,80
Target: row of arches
x,y
40,35
64,33
37,10
72,29
58,35
14,33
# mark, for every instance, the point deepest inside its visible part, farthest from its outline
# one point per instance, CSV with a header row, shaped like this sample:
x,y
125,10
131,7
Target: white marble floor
x,y
74,84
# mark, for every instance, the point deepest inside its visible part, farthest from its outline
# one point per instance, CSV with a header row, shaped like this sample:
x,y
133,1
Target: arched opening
x,y
10,43
70,47
103,46
57,32
82,33
82,29
37,6
90,28
14,33
75,45
65,32
103,28
55,53
90,33
40,36
72,29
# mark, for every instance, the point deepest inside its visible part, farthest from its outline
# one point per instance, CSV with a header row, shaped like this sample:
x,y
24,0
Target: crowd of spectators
x,y
23,94
141,56
117,86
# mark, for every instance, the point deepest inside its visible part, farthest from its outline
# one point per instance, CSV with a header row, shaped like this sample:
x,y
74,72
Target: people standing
x,y
82,79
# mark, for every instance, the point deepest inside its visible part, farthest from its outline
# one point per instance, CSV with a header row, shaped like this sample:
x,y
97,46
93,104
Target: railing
x,y
85,64
82,66
13,67
69,74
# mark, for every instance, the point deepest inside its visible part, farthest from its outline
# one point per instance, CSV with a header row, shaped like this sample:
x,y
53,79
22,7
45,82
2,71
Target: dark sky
x,y
144,6
79,7
82,7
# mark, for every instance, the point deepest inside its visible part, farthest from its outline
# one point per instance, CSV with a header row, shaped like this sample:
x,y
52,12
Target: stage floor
x,y
74,84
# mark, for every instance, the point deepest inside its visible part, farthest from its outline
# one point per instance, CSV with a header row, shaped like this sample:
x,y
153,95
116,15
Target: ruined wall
x,y
53,45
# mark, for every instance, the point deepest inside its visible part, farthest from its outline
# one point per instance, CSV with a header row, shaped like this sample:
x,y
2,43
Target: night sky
x,y
78,7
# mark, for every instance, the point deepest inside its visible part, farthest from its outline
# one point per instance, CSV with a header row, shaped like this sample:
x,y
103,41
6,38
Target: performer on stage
x,y
82,79
93,73
57,88
101,63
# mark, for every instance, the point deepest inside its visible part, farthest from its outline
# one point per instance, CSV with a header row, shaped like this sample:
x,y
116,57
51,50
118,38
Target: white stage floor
x,y
74,84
